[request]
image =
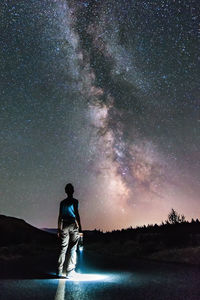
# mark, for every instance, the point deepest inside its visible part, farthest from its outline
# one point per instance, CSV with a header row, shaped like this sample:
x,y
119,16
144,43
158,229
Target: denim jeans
x,y
69,237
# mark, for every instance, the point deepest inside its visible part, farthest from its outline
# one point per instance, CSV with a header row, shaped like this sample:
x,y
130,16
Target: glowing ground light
x,y
85,277
60,293
88,277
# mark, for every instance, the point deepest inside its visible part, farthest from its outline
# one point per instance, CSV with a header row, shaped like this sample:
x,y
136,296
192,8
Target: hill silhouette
x,y
16,231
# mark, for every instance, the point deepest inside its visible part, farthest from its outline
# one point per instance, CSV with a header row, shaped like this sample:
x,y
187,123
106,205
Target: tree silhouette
x,y
174,217
183,219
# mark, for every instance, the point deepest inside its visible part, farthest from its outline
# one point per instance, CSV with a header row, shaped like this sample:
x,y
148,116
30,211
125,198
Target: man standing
x,y
69,226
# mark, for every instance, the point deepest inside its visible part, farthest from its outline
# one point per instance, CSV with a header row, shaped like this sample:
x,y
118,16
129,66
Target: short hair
x,y
69,189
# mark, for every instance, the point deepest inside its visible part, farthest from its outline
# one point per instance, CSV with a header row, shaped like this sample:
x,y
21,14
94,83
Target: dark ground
x,y
34,278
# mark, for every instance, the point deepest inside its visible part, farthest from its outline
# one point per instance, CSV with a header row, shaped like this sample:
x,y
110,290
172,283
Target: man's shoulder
x,y
66,200
63,201
75,201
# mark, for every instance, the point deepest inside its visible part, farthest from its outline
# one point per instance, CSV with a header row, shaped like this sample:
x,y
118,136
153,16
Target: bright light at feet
x,y
60,293
88,277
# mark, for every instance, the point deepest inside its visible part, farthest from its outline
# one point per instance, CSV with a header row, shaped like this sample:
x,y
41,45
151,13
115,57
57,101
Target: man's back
x,y
67,208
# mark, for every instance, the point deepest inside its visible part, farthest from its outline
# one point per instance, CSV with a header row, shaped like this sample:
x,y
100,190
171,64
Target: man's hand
x,y
81,234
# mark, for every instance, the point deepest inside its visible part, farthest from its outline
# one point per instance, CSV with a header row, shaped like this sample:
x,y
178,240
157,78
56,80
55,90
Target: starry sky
x,y
103,94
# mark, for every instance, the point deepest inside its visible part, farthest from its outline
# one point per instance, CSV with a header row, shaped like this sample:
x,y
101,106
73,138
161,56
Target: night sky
x,y
105,95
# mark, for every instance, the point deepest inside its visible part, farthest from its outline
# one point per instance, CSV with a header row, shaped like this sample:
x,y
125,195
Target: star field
x,y
103,94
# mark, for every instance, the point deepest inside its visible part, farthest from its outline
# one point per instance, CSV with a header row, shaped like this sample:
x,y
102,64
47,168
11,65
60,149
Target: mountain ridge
x,y
15,231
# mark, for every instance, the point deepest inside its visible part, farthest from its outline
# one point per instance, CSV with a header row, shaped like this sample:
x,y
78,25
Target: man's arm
x,y
77,215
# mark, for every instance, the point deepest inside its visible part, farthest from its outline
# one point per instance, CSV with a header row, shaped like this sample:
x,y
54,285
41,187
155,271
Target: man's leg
x,y
64,241
74,237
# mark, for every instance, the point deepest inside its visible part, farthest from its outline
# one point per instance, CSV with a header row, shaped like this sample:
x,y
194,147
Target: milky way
x,y
103,94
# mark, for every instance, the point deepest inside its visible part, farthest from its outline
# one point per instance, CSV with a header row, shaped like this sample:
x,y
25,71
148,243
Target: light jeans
x,y
69,237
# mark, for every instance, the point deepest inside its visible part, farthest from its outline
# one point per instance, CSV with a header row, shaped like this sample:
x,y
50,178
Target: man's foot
x,y
72,274
60,274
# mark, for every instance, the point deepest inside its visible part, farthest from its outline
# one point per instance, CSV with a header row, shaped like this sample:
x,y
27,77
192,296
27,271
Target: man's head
x,y
69,189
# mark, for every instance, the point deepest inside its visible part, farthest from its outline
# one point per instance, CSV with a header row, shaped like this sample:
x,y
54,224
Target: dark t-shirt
x,y
67,209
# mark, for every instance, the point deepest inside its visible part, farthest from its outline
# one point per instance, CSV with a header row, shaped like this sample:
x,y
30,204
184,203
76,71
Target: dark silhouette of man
x,y
69,231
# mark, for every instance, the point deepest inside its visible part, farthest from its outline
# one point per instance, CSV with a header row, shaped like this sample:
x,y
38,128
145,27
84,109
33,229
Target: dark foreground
x,y
101,279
